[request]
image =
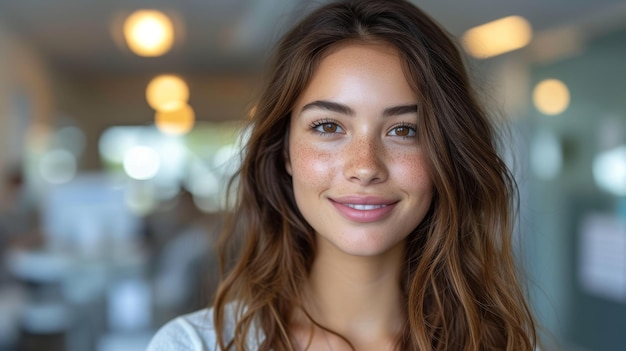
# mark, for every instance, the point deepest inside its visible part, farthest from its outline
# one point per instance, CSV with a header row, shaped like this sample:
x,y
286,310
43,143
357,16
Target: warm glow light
x,y
175,122
497,37
149,33
167,92
551,97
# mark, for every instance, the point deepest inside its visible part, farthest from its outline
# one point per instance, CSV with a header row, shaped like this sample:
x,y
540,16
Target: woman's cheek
x,y
411,169
312,165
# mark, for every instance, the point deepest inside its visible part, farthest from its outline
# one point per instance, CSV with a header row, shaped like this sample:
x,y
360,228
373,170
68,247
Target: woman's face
x,y
359,172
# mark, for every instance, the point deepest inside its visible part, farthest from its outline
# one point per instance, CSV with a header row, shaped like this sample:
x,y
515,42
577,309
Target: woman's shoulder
x,y
192,332
196,332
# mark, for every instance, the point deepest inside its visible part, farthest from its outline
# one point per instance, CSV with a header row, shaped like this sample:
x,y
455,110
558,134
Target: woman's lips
x,y
364,209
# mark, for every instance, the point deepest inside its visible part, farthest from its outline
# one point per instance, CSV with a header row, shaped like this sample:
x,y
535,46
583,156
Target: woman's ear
x,y
288,165
286,153
286,157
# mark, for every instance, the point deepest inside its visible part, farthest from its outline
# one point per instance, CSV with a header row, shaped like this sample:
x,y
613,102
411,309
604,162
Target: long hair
x,y
460,286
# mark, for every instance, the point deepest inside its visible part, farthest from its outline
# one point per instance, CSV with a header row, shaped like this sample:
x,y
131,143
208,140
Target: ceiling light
x,y
149,33
175,122
167,92
497,37
551,97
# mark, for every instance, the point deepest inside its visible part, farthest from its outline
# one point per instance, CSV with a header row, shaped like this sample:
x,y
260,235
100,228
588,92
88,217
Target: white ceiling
x,y
234,35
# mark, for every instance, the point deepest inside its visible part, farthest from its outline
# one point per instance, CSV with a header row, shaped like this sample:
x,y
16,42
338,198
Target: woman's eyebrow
x,y
400,110
329,106
345,110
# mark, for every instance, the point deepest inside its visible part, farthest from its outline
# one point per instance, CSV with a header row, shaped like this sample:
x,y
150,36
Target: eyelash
x,y
319,123
412,128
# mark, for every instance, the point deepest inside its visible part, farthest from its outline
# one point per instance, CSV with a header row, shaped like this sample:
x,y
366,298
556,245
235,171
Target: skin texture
x,y
364,152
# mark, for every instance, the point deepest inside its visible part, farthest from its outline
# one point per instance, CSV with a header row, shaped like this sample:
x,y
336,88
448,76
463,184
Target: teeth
x,y
364,207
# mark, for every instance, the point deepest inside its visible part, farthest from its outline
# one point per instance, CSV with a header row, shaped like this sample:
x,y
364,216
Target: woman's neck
x,y
355,296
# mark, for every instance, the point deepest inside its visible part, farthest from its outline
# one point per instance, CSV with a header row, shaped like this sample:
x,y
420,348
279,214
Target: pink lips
x,y
363,209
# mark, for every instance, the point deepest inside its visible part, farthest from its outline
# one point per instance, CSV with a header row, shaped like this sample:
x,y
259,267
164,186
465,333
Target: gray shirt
x,y
196,332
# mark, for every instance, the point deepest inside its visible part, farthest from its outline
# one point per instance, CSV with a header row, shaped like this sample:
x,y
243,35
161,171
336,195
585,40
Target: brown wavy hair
x,y
461,290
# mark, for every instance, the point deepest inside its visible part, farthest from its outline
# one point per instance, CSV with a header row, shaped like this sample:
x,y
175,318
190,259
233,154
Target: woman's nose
x,y
365,162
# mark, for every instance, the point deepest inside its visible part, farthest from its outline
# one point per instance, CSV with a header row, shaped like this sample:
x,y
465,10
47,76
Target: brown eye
x,y
329,127
403,131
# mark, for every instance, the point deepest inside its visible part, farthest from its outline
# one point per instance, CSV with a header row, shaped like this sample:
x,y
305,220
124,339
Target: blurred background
x,y
120,122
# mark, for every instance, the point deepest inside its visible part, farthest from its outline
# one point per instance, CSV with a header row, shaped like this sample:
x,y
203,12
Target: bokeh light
x,y
141,163
498,37
609,170
115,142
167,92
149,33
175,122
551,97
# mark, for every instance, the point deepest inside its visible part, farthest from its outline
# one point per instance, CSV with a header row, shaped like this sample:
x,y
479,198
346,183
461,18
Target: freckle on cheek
x,y
412,168
311,165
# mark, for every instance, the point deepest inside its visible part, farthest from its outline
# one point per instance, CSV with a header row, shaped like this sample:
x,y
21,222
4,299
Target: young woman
x,y
373,212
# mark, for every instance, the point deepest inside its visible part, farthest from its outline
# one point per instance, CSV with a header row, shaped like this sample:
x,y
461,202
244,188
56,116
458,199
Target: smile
x,y
364,207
